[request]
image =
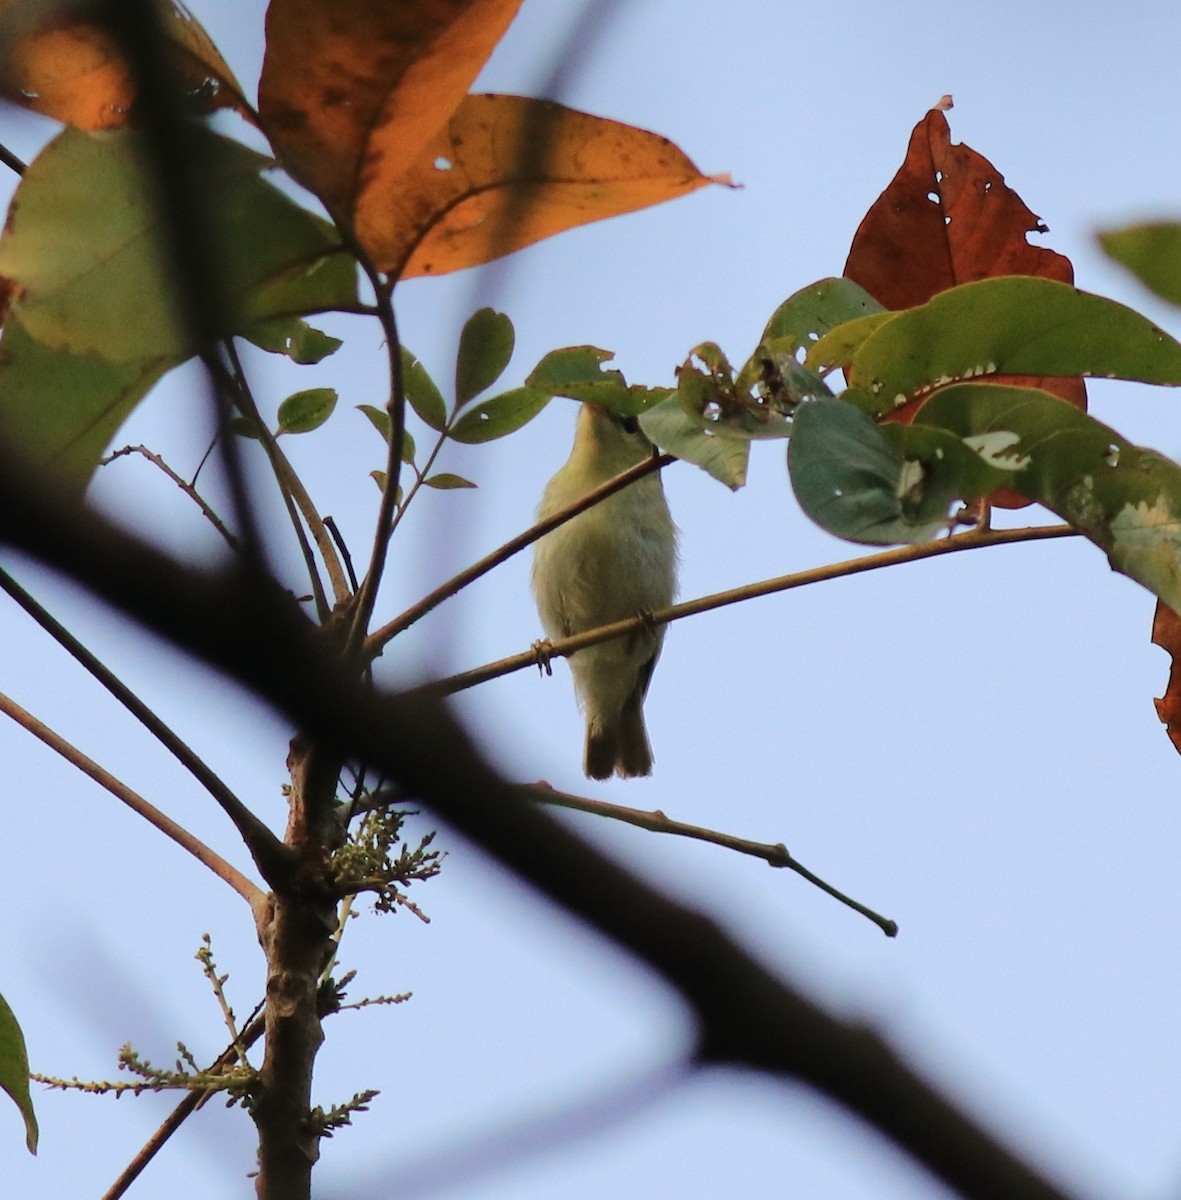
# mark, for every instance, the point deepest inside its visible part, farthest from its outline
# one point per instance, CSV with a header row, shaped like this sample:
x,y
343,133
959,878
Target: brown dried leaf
x,y
1166,633
346,81
66,67
947,218
507,172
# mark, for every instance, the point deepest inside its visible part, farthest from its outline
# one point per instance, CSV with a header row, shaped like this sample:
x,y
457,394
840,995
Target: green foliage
x,y
14,1071
1152,253
422,394
485,347
295,338
499,416
576,373
1014,325
307,410
803,318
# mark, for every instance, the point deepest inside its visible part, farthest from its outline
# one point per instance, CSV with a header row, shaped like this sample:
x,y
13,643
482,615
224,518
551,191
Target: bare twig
x,y
208,857
381,637
189,489
539,654
776,855
270,855
11,161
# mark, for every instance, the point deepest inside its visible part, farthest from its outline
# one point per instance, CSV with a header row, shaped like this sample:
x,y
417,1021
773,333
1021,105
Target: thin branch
x,y
189,1105
379,639
396,408
11,161
295,495
189,489
776,855
269,854
542,652
208,857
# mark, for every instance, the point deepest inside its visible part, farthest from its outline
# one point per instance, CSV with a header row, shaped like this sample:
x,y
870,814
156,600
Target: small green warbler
x,y
607,564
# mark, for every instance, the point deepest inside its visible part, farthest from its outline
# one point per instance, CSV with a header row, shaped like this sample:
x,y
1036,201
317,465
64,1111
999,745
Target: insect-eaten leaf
x,y
870,484
997,327
807,315
422,393
445,481
673,430
508,171
353,88
307,410
496,417
1124,498
1166,633
1152,253
293,337
576,372
485,347
14,1071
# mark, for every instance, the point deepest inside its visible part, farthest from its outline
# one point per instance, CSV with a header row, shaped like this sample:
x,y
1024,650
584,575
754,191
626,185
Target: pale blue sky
x,y
968,745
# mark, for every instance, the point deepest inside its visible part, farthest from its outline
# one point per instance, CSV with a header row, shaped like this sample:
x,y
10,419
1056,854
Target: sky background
x,y
968,745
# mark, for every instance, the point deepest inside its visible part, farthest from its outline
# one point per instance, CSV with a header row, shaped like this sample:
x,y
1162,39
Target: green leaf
x,y
485,347
1152,253
1123,497
423,396
810,313
295,338
60,411
576,373
855,480
379,419
84,236
245,427
14,1071
498,416
445,481
307,410
677,432
408,446
1011,325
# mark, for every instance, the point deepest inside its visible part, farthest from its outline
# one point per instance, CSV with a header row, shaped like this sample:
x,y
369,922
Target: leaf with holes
x,y
498,416
576,372
307,410
803,318
1124,498
14,1071
293,337
675,431
506,172
352,91
65,66
485,347
1000,327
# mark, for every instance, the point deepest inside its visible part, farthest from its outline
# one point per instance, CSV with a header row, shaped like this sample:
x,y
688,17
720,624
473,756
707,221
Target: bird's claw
x,y
543,652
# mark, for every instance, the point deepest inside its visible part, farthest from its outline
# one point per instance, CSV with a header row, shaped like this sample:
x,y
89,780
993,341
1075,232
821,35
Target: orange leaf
x,y
507,172
1166,633
68,68
947,218
344,80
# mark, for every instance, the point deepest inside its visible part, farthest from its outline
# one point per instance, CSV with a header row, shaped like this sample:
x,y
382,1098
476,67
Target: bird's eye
x,y
629,425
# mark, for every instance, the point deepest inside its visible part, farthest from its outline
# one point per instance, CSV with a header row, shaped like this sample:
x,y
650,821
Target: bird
x,y
614,561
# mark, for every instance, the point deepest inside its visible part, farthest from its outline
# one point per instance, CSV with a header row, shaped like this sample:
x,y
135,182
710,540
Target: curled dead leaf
x,y
1166,633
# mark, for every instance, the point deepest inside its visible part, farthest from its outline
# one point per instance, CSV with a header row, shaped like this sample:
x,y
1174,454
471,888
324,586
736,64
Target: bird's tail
x,y
621,747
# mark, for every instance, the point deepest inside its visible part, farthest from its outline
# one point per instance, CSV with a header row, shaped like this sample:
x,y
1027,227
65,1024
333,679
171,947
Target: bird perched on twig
x,y
609,563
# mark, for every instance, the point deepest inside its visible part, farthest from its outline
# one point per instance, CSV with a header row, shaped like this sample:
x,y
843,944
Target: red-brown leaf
x,y
1166,633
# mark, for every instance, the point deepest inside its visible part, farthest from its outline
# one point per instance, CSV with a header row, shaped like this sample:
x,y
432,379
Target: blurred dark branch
x,y
11,161
246,627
